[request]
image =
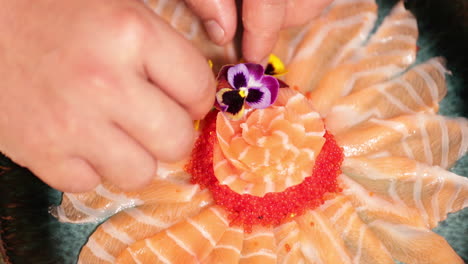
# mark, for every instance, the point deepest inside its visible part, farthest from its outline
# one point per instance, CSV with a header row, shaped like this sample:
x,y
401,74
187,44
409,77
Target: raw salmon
x,y
129,226
387,53
341,29
271,149
189,241
432,139
418,90
107,200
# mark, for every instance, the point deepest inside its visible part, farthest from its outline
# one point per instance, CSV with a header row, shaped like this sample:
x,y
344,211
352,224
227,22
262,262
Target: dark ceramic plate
x,y
29,234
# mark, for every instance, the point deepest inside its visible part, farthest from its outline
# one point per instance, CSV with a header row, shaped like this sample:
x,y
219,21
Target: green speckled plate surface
x,y
29,234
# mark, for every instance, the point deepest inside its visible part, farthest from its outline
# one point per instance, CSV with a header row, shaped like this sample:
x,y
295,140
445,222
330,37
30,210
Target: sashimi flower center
x,y
270,166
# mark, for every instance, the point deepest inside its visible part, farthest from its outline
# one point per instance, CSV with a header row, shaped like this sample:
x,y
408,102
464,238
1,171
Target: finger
x,y
262,19
299,12
116,157
218,16
67,174
156,121
179,69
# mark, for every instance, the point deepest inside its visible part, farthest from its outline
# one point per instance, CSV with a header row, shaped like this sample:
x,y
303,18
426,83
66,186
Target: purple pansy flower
x,y
248,85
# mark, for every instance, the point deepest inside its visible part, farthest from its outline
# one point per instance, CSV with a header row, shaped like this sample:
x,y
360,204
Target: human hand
x,y
262,20
96,90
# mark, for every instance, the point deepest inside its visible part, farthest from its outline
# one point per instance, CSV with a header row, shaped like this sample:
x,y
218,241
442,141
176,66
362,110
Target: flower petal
x,y
272,84
238,76
275,66
255,71
259,97
231,102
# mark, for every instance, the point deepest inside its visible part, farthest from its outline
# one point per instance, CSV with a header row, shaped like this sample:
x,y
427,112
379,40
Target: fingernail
x,y
215,31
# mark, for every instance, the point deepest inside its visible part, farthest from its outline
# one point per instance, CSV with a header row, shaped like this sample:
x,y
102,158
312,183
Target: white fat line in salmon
x,y
219,215
331,238
258,234
310,252
97,214
340,212
431,84
262,252
323,32
417,193
119,198
394,194
228,247
99,251
397,38
394,125
293,43
439,183
358,40
140,216
394,100
410,91
202,231
156,252
134,256
294,248
362,230
445,144
463,124
350,224
421,122
384,70
177,14
123,237
180,243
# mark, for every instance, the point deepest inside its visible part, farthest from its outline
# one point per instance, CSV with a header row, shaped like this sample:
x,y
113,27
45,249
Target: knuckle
x,y
131,25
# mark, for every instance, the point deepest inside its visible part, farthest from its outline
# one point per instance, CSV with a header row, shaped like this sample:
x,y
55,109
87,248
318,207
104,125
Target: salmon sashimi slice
x,y
259,247
228,248
106,199
320,241
288,40
181,18
189,241
341,29
131,225
431,192
388,52
361,242
431,139
418,90
414,244
270,149
288,244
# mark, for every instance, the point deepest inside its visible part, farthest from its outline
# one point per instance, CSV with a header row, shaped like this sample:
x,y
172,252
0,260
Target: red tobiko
x,y
276,207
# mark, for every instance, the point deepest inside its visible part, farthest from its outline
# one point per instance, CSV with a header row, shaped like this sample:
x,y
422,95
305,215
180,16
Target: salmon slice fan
x,y
341,29
189,241
288,244
430,191
228,248
270,149
259,247
359,239
123,229
181,18
388,52
107,200
418,90
370,206
414,245
431,139
320,241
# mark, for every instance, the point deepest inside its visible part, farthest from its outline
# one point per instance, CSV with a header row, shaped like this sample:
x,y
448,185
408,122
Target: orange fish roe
x,y
276,207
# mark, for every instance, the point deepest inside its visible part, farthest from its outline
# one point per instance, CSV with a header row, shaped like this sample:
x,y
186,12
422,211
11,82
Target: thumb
x,y
218,16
